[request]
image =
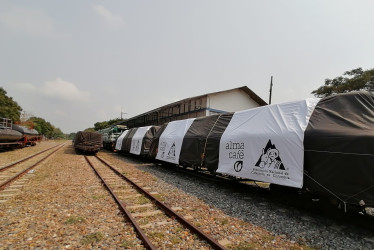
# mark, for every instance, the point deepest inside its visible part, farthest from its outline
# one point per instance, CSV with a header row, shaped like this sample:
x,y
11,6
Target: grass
x,y
127,244
224,221
143,200
74,220
157,235
158,196
97,197
92,238
175,240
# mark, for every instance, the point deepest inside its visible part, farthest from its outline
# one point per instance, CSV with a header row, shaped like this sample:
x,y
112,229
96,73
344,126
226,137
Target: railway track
x,y
11,175
150,217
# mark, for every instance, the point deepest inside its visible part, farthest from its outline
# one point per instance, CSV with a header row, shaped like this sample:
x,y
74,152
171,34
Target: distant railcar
x,y
88,142
110,136
16,136
30,136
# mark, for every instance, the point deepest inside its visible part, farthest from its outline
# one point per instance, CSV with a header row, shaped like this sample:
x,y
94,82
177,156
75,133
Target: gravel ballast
x,y
254,207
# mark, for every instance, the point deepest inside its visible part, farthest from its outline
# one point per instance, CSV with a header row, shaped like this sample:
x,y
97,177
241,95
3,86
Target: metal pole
x,y
271,89
122,113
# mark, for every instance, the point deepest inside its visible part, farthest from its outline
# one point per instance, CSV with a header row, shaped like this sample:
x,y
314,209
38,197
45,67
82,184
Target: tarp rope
x,y
328,190
206,140
364,190
343,153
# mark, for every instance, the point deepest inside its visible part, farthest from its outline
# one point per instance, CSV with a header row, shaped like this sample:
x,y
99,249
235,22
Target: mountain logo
x,y
172,150
270,158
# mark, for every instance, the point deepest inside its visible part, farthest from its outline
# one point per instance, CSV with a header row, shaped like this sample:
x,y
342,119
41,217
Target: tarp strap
x,y
344,202
364,190
206,140
343,153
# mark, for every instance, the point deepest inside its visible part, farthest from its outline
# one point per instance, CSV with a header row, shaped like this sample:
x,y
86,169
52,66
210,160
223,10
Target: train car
x,y
87,142
137,141
9,138
16,136
339,149
110,136
30,136
119,141
325,146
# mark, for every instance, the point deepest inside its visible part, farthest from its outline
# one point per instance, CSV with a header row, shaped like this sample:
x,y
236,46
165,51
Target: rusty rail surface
x,y
23,172
26,158
165,208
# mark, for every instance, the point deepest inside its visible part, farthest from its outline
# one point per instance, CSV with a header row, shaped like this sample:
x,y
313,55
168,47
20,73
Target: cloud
x,y
63,90
108,17
57,89
28,21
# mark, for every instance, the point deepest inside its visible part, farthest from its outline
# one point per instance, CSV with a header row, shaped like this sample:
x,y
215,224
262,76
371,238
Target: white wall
x,y
231,101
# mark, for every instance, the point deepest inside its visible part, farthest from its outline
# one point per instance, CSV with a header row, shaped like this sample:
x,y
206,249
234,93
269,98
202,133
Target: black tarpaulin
x,y
153,149
147,139
339,148
200,145
126,143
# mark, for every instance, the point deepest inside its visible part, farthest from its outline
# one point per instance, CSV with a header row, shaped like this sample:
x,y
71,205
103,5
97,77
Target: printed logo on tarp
x,y
135,146
163,146
171,154
270,164
270,158
235,150
238,165
172,151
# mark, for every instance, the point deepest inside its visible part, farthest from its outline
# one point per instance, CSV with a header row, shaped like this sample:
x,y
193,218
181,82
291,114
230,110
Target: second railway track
x,y
10,175
151,218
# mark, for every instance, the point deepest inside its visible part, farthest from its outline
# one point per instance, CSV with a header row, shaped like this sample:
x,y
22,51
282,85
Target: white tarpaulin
x,y
266,143
137,140
170,142
120,140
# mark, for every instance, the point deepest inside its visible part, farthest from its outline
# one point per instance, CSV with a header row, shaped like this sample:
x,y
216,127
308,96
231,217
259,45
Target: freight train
x,y
87,142
15,136
320,146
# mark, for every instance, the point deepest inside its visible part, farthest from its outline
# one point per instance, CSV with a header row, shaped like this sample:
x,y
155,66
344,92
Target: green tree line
x,y
353,80
11,110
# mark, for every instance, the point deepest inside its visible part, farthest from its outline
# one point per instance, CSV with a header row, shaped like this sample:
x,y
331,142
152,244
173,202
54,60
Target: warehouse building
x,y
204,105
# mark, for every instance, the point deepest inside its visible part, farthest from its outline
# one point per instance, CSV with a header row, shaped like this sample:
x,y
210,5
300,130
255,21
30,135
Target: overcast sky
x,y
74,63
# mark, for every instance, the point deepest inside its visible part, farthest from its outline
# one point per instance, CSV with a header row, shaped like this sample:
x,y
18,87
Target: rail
x,y
167,210
23,172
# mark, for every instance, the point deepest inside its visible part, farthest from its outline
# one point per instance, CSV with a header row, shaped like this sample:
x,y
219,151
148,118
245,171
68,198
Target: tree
x,y
89,130
46,128
105,124
71,136
353,80
8,107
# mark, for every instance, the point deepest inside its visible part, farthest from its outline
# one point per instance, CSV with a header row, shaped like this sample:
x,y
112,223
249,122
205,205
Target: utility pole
x,y
271,89
122,113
